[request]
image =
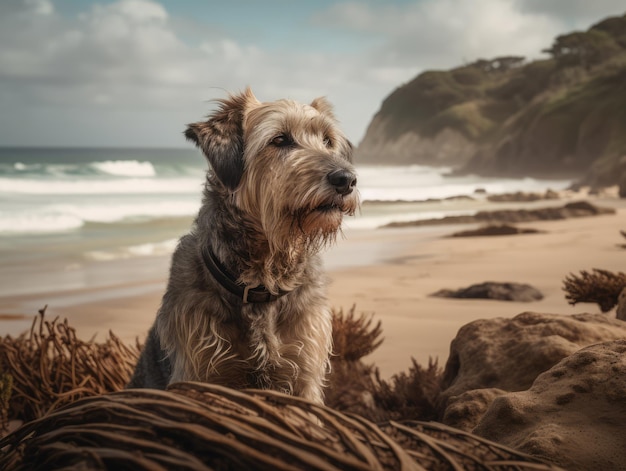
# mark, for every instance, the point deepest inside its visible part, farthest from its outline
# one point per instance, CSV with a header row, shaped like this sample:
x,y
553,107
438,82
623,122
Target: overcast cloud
x,y
126,73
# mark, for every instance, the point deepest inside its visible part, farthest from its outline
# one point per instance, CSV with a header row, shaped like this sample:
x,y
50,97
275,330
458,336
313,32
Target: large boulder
x,y
573,415
508,354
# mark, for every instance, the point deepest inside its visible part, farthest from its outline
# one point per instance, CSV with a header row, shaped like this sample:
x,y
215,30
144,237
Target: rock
x,y
383,144
493,290
495,230
513,216
573,415
521,196
464,411
509,354
620,311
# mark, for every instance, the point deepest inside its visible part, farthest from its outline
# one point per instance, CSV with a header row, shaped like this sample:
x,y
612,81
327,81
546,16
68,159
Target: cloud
x,y
127,56
574,13
127,73
444,33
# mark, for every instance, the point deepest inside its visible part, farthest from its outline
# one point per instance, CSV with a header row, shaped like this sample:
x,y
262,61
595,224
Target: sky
x,y
133,73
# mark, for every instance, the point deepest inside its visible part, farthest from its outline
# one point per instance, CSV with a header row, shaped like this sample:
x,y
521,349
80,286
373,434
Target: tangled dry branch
x,y
198,426
598,286
69,393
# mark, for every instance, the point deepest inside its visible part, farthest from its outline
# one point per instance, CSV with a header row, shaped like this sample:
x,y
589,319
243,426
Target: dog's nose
x,y
344,181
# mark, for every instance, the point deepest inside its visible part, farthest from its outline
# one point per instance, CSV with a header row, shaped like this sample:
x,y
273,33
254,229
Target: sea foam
x,y
125,168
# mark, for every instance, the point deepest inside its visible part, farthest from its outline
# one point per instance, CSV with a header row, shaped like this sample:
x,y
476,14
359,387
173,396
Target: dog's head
x,y
287,164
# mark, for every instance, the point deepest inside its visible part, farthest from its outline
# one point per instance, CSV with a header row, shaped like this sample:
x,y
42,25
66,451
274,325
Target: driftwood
x,y
201,427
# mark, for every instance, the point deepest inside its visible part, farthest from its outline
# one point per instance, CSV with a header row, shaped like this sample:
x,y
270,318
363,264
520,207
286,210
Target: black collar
x,y
224,277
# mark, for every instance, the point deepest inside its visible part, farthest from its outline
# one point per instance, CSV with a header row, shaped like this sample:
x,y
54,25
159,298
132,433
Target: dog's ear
x,y
221,138
322,105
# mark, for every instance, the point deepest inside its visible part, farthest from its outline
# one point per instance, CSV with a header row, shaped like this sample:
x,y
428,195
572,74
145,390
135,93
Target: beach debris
x,y
350,383
623,246
573,414
510,216
410,395
354,337
50,366
202,426
6,389
495,230
597,286
499,291
357,387
509,354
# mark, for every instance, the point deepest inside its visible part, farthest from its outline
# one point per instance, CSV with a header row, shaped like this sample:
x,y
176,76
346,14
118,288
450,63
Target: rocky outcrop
x,y
573,415
560,117
523,197
494,290
495,230
509,354
446,148
465,410
511,216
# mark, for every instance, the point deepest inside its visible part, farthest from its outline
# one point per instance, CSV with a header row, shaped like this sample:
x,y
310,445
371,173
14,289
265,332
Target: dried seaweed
x,y
49,366
354,338
198,426
350,383
598,286
357,387
410,395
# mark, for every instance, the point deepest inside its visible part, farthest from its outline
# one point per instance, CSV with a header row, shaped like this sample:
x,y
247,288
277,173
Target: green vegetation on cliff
x,y
560,117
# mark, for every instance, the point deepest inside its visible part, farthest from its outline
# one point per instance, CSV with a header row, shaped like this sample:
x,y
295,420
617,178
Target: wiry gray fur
x,y
268,209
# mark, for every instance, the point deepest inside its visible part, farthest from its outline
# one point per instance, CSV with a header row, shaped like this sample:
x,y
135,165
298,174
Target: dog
x,y
245,305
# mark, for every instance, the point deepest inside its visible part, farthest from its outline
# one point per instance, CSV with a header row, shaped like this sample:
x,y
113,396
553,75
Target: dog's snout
x,y
343,181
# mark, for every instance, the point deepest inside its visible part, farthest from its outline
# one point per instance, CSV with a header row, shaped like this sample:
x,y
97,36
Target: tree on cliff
x,y
584,49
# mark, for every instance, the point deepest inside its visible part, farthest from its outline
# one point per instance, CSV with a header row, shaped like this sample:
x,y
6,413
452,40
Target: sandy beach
x,y
389,273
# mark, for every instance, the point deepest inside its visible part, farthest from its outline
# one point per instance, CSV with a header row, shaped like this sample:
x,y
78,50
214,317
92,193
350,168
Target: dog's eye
x,y
327,141
282,140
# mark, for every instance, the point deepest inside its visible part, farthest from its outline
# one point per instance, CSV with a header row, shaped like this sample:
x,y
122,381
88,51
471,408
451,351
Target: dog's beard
x,y
308,222
319,225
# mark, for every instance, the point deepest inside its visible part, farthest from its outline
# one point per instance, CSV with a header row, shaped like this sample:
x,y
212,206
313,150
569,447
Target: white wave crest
x,y
165,247
100,187
125,168
38,223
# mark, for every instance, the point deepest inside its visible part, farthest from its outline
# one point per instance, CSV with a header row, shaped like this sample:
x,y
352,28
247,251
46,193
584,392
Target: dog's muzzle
x,y
343,181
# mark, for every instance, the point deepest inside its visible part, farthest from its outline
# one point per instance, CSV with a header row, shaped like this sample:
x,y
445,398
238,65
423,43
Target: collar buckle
x,y
244,298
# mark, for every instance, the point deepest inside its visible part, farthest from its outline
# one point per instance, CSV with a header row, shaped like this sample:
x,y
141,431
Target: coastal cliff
x,y
564,116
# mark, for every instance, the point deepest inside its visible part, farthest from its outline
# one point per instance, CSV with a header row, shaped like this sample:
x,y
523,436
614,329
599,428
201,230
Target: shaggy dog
x,y
245,305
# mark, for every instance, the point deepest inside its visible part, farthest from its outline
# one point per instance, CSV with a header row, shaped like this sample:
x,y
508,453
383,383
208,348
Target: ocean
x,y
74,210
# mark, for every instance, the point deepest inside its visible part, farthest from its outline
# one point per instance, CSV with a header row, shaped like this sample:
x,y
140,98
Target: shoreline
x,y
389,273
